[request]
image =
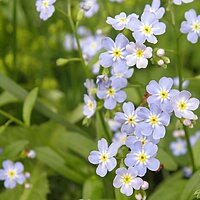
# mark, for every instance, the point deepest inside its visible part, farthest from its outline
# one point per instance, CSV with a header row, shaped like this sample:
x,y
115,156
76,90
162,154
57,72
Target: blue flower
x,y
116,51
138,54
147,28
127,180
90,86
104,157
120,21
128,118
179,147
119,138
111,94
179,2
46,8
183,105
142,158
132,140
154,121
191,26
90,7
155,9
113,125
103,81
161,93
12,173
90,106
120,75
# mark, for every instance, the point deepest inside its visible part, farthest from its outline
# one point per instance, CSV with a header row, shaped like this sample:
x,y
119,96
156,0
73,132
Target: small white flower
x,y
138,55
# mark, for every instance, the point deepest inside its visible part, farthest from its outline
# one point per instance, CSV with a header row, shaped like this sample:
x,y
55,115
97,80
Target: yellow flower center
x,y
94,45
182,105
117,53
147,29
142,157
163,94
45,4
127,179
123,20
11,173
90,105
139,53
123,139
196,27
104,157
110,92
153,119
131,120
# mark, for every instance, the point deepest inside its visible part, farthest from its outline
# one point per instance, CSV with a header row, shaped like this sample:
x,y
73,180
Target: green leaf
x,y
39,187
72,141
6,98
57,163
28,105
11,151
15,89
192,185
170,189
166,160
93,188
196,153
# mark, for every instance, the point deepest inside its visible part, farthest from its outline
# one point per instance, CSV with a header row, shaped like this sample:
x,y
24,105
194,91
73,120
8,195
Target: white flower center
x,y
146,30
11,173
45,3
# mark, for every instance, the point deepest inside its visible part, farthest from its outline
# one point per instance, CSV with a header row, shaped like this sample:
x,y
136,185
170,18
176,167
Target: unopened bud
x,y
187,122
138,196
160,52
80,15
145,185
27,175
160,62
31,154
61,61
28,186
166,60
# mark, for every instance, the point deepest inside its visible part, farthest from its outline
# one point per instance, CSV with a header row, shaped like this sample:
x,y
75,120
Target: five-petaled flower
x,y
104,157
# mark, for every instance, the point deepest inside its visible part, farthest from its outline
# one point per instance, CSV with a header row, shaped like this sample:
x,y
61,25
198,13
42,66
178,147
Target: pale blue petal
x,y
107,43
119,117
102,145
112,150
117,183
137,183
101,170
121,96
127,190
105,59
159,132
110,103
94,157
111,164
153,164
150,149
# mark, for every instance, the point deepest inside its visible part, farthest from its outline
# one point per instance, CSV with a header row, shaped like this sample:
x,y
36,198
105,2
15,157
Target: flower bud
x,y
160,52
138,196
61,61
187,122
145,185
31,154
27,175
28,186
160,62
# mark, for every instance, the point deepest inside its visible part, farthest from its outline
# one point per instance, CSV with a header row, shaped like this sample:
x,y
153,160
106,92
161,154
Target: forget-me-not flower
x,y
12,173
155,9
183,105
127,180
119,138
138,54
120,21
111,95
90,106
46,8
90,7
116,51
192,26
179,147
142,158
154,121
147,28
104,157
161,93
179,2
120,74
128,118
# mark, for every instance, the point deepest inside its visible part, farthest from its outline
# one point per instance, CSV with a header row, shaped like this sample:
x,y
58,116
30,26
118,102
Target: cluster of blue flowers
x,y
140,129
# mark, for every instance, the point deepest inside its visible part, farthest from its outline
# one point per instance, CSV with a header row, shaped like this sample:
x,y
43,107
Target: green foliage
x,y
29,103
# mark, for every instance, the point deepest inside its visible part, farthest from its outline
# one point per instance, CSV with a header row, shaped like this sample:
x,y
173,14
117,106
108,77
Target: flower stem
x,y
14,44
74,29
189,148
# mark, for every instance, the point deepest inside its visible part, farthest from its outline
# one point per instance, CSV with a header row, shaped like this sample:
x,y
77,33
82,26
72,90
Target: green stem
x,y
7,115
189,148
178,58
74,29
14,45
105,127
